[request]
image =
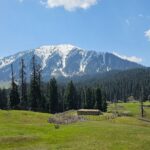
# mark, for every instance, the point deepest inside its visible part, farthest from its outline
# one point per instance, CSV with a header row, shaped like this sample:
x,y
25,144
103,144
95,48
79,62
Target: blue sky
x,y
120,26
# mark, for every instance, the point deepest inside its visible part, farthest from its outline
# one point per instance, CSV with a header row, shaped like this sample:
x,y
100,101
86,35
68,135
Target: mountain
x,y
64,61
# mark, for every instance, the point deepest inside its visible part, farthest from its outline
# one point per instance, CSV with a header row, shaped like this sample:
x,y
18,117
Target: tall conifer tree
x,y
23,86
53,100
3,99
35,86
14,95
71,96
98,98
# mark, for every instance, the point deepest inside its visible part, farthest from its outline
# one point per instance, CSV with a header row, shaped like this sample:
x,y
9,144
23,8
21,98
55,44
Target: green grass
x,y
133,107
21,130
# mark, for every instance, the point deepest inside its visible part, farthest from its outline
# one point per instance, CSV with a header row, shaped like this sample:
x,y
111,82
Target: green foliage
x,y
71,96
53,99
35,86
3,99
14,94
23,86
90,99
120,85
98,98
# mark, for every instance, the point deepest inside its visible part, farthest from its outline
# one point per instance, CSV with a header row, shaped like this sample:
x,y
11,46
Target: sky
x,y
118,26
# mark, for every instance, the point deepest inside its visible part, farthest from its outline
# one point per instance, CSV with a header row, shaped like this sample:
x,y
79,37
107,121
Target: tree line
x,y
133,84
49,97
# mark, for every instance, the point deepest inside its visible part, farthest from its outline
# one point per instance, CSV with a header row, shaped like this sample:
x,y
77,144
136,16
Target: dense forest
x,y
122,85
91,92
48,97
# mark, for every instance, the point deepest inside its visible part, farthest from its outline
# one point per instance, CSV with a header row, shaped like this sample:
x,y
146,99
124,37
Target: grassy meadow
x,y
25,130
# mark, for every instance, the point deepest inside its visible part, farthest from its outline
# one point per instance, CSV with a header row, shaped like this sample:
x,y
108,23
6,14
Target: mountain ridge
x,y
65,60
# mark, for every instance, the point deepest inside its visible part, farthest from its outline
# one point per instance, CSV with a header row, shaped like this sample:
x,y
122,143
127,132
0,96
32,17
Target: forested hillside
x,y
74,93
119,85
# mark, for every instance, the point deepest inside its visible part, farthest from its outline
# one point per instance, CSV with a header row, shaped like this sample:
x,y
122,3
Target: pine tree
x,y
3,99
23,86
61,91
35,86
104,103
98,98
41,97
47,97
71,96
53,100
83,98
89,98
14,95
148,98
80,98
93,98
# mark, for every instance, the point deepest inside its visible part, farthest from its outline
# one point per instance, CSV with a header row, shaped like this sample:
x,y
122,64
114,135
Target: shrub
x,y
57,126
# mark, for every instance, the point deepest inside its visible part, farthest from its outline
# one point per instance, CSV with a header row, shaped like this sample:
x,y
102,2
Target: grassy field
x,y
21,130
132,108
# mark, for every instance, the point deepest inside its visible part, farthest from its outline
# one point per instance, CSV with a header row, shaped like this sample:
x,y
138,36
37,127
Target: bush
x,y
57,126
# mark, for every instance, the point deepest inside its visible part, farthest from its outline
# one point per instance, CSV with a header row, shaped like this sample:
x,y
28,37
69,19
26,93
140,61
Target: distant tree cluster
x,y
122,85
135,83
49,97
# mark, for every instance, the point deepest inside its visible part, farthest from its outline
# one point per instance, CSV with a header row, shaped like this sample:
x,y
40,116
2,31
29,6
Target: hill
x,y
21,130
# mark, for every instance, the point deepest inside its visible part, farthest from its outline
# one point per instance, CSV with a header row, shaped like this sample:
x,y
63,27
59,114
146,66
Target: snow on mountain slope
x,y
45,52
9,60
64,61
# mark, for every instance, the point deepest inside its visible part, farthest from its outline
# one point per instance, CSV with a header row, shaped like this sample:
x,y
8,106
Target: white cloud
x,y
131,58
147,34
69,5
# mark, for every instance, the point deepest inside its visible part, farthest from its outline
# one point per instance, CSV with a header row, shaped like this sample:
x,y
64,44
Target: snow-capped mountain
x,y
64,61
